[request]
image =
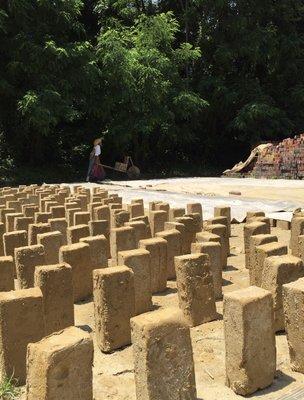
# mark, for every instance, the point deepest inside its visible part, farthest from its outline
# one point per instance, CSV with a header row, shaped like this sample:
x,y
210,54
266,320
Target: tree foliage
x,y
173,83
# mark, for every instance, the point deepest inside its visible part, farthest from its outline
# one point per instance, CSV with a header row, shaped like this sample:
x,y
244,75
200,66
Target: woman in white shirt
x,y
94,156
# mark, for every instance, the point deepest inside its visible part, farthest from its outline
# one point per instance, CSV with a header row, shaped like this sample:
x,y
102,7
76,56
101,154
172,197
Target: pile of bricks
x,y
285,160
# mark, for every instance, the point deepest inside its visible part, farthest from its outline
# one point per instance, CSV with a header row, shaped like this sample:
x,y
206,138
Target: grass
x,y
8,389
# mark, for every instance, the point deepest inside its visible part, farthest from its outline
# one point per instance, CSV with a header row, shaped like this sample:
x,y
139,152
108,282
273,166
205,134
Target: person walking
x,y
94,157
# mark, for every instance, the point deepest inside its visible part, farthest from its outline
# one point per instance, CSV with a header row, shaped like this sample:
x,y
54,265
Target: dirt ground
x,y
113,373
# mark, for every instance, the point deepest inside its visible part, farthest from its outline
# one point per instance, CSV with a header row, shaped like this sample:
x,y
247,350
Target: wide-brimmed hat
x,y
97,141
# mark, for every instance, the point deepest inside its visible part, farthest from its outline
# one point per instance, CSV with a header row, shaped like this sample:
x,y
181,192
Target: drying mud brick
x,y
99,227
60,367
10,221
221,231
51,241
297,229
56,284
195,208
157,221
261,219
2,232
224,211
42,217
98,250
189,235
82,218
176,213
136,210
258,240
22,223
78,257
214,252
13,240
57,212
140,230
197,221
249,340
161,206
30,210
36,229
252,229
277,271
26,260
251,214
138,261
284,225
70,215
21,323
195,288
113,307
61,225
119,218
3,213
121,239
260,255
101,213
7,272
75,233
293,299
157,247
163,359
174,248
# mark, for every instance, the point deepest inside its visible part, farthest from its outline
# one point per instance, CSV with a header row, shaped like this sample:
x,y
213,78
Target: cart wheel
x,y
133,172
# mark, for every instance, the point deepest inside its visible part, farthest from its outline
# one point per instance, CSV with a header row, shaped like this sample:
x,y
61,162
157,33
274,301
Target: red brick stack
x,y
285,160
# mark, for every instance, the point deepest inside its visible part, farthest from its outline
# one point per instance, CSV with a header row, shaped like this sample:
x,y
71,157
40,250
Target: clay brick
x,y
140,230
176,213
277,271
70,215
293,300
265,220
224,211
258,240
160,340
213,250
42,217
119,218
221,231
121,239
13,240
26,259
284,225
7,272
35,229
157,221
51,241
194,208
174,248
56,284
101,212
82,218
57,212
297,229
60,367
75,233
98,250
3,213
260,255
157,248
10,220
195,288
138,261
61,225
251,214
2,232
22,223
136,210
21,323
252,229
190,233
113,307
78,257
249,340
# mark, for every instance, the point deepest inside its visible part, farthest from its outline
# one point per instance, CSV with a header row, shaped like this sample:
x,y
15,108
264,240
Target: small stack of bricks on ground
x,y
105,300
